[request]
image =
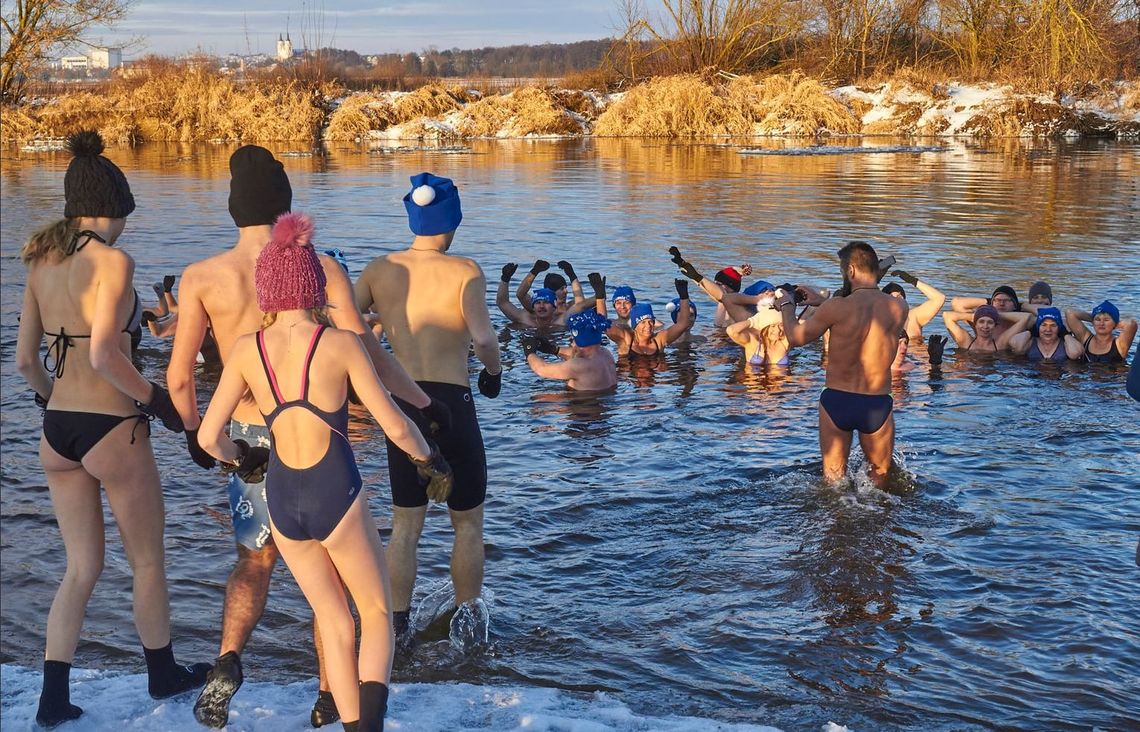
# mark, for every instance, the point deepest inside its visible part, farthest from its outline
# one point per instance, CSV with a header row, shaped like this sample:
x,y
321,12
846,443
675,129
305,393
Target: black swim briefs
x,y
462,447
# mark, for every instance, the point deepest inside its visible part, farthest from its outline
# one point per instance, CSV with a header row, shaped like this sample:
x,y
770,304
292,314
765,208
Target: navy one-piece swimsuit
x,y
308,503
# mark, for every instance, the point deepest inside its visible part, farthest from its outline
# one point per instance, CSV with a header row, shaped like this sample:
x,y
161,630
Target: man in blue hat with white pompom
x,y
432,307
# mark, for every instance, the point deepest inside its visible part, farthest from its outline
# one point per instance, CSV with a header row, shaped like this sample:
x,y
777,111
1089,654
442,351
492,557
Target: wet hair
x,y
861,256
54,239
893,287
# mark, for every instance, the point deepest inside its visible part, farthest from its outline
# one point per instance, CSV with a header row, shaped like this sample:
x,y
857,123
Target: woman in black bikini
x,y
79,293
1101,346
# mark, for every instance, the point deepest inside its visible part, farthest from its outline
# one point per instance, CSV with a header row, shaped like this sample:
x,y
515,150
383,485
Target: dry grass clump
x,y
1028,116
433,100
358,115
669,106
528,111
576,101
796,105
1130,99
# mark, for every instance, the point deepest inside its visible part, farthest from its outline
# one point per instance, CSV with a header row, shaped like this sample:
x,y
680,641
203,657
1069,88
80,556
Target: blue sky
x,y
221,26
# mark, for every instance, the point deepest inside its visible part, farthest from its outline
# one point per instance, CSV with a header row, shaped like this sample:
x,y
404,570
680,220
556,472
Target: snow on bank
x,y
119,703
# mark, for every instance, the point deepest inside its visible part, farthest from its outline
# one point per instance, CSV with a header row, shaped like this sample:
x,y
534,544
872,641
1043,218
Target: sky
x,y
225,26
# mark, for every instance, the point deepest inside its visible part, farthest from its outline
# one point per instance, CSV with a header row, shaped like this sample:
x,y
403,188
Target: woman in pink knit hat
x,y
298,371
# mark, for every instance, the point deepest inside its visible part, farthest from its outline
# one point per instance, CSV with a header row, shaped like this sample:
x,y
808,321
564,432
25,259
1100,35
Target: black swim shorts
x,y
462,447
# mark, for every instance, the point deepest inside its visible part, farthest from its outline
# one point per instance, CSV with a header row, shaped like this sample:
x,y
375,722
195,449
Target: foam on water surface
x,y
119,702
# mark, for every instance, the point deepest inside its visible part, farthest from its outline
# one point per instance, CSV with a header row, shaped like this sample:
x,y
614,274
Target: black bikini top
x,y
63,340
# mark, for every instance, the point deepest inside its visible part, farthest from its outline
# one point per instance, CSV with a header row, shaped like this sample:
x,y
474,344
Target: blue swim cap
x,y
675,305
759,286
624,292
542,294
1105,307
638,313
338,255
1053,314
587,328
432,205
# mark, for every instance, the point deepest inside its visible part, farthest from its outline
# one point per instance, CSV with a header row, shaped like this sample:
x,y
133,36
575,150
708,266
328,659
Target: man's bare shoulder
x,y
209,269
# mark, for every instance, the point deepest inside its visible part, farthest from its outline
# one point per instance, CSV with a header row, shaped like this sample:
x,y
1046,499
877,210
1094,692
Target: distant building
x,y
73,63
284,48
106,58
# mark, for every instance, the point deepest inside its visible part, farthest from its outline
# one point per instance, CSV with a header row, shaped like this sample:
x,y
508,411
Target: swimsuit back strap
x,y
309,361
269,375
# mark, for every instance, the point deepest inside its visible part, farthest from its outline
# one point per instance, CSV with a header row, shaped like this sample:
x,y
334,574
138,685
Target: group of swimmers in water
x,y
298,342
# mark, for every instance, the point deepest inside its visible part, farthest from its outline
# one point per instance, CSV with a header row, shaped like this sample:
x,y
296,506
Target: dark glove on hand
x,y
435,470
437,415
598,283
545,345
906,277
568,269
540,265
168,283
251,464
197,454
490,384
529,345
691,272
935,345
508,271
675,255
40,401
682,289
161,407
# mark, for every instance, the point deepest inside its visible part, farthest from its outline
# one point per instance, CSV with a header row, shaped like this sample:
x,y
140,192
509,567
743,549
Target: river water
x,y
669,547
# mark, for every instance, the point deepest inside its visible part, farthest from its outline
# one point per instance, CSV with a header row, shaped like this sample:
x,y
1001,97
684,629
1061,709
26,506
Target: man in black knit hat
x,y
219,292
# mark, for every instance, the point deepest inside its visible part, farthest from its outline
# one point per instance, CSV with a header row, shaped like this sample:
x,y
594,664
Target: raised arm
x,y
798,332
523,293
684,313
961,336
924,313
28,341
1127,335
738,332
967,304
503,300
1019,327
1076,324
1073,348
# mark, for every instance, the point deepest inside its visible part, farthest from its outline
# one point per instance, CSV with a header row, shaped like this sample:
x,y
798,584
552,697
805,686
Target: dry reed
x,y
524,112
357,116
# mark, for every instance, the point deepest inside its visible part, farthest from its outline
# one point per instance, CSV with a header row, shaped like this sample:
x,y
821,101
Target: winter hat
x,y
1053,314
542,294
259,189
432,205
93,185
288,275
624,292
554,281
1041,288
987,311
729,277
759,286
1007,290
892,287
638,313
587,328
1108,309
675,304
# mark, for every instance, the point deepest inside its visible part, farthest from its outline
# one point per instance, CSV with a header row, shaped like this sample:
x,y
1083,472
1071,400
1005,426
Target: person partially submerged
x,y
587,367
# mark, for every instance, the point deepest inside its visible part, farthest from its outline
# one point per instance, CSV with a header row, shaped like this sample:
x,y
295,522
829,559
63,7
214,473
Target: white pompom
x,y
423,195
670,306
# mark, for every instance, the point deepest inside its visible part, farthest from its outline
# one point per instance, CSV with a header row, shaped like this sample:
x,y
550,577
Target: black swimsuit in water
x,y
73,434
1112,355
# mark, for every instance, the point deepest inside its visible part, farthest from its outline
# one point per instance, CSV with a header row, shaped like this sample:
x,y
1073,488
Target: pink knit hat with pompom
x,y
288,275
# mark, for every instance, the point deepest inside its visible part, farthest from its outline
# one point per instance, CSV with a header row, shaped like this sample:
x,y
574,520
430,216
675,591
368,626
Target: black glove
x,y
435,470
540,265
529,345
437,415
168,283
197,454
675,255
682,289
251,462
598,283
906,277
569,270
508,271
161,407
935,345
691,272
490,384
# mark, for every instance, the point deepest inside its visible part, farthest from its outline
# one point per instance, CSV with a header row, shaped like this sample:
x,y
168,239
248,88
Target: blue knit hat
x,y
624,292
759,286
542,294
1108,309
432,205
638,313
587,328
1053,314
675,305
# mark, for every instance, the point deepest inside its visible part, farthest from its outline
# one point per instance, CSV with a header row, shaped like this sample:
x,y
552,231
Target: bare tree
x,y
33,28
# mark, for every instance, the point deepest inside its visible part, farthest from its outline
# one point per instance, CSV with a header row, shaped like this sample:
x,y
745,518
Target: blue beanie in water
x,y
759,286
1108,309
640,312
1053,314
432,205
587,328
624,292
542,294
675,305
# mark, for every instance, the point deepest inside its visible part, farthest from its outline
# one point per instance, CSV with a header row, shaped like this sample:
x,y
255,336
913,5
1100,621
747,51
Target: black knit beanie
x,y
93,185
259,188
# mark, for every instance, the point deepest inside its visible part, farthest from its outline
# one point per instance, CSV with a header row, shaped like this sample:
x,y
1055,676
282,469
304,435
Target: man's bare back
x,y
865,329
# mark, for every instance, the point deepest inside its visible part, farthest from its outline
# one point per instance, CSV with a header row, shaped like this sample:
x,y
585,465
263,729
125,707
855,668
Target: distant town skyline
x,y
222,27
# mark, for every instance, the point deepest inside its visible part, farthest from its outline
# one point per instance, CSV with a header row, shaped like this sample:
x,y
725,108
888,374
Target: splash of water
x,y
471,626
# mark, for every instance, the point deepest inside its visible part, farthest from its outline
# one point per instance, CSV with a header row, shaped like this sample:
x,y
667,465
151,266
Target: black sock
x,y
55,699
373,704
166,678
350,726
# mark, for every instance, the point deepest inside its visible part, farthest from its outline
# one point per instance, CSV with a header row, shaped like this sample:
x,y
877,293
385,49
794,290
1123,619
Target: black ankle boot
x,y
324,711
373,705
55,699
